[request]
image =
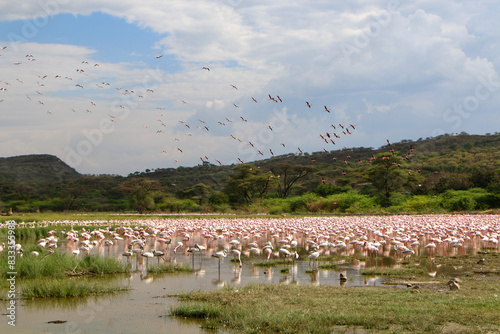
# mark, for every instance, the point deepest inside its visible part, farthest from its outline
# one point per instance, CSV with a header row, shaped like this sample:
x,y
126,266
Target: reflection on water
x,y
146,305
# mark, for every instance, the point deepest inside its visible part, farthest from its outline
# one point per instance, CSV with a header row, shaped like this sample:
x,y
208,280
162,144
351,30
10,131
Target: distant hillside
x,y
458,162
35,168
444,154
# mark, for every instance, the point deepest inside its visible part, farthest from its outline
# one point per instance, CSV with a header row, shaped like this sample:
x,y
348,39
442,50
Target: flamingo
x,y
147,255
268,249
236,255
220,255
158,254
313,257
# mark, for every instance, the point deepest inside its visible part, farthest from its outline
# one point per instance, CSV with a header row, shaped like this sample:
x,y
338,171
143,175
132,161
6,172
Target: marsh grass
x,y
390,271
60,264
168,267
310,309
328,266
433,308
66,287
271,263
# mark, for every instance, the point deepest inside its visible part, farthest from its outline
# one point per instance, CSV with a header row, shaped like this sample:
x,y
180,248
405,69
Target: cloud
x,y
379,65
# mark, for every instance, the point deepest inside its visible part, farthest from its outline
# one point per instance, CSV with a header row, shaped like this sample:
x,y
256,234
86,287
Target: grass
x,y
61,264
272,263
168,267
60,288
432,308
309,309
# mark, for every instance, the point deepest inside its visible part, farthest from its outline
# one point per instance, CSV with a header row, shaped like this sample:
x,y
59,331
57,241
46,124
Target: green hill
x,y
435,157
35,168
424,167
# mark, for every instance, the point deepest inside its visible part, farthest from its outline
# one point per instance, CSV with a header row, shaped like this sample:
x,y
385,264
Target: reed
x,y
61,264
328,309
168,267
60,288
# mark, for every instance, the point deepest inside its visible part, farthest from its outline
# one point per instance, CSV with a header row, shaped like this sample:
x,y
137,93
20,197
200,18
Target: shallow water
x,y
146,307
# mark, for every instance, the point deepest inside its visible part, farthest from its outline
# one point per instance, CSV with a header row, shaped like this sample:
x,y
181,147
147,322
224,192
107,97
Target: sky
x,y
115,87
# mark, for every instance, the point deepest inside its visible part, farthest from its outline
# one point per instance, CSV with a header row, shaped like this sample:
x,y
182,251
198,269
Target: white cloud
x,y
377,64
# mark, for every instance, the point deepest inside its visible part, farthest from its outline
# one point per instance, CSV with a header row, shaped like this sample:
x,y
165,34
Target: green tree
x,y
142,192
246,184
482,177
200,193
387,176
286,175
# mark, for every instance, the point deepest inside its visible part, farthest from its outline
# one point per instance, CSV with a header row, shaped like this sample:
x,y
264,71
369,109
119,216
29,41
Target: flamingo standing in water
x,y
237,255
220,255
179,244
313,257
147,255
268,249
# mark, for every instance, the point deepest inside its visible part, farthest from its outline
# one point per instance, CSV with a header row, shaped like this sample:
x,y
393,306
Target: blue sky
x,y
97,94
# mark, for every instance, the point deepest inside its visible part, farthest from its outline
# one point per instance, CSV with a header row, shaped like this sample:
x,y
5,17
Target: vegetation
x,y
327,309
61,264
442,174
60,288
428,305
168,267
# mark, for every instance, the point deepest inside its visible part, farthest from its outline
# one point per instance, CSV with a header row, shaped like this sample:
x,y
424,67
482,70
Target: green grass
x,y
388,271
168,267
271,263
66,287
60,264
321,309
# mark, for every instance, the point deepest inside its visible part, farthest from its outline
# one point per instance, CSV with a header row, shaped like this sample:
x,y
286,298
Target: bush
x,y
458,200
349,199
329,189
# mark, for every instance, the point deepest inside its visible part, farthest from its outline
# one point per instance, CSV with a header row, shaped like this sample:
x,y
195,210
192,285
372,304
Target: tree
x,y
246,184
141,191
482,177
200,193
387,176
286,175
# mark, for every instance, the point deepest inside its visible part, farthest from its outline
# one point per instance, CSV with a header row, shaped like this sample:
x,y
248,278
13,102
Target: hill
x,y
35,168
446,154
423,167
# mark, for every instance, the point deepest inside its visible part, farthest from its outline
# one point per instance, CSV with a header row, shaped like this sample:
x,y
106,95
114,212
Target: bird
x,y
481,261
313,257
326,109
236,255
205,68
147,255
220,255
308,104
179,244
128,254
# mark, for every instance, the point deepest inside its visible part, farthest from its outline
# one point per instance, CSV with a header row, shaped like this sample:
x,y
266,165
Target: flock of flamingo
x,y
86,83
291,239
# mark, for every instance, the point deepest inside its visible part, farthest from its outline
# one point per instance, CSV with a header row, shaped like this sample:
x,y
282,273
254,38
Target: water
x,y
146,305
